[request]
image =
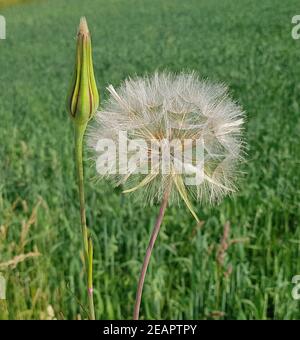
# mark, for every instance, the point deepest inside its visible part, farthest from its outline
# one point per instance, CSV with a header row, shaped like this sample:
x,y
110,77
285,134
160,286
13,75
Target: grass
x,y
7,3
192,275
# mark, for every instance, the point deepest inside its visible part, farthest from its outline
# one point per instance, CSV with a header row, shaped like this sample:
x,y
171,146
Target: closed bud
x,y
83,99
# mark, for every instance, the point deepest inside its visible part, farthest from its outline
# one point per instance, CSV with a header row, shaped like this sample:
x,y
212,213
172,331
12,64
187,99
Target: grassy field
x,y
246,44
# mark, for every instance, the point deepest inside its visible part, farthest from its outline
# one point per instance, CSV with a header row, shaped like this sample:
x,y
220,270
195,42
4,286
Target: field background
x,y
192,275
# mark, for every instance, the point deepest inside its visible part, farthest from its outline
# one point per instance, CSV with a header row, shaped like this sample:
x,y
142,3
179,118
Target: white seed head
x,y
166,107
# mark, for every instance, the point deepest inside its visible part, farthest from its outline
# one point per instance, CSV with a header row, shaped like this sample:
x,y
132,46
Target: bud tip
x,y
83,27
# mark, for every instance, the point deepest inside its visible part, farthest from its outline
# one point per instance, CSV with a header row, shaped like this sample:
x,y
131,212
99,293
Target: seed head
x,y
159,109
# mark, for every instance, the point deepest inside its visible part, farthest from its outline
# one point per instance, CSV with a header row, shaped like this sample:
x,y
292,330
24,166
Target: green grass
x,y
7,3
246,44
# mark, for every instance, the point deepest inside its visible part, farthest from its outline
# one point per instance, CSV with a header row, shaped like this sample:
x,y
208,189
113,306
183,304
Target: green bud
x,y
83,99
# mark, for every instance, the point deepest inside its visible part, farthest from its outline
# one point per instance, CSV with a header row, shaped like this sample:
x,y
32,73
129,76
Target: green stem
x,y
87,242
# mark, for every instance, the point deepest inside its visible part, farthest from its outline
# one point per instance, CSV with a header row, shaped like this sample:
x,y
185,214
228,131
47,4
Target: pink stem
x,y
148,255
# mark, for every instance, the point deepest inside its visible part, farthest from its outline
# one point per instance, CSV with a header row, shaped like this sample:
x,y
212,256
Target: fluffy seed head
x,y
200,116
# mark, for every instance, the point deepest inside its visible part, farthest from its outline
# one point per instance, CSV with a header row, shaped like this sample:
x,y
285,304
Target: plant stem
x,y
87,242
148,254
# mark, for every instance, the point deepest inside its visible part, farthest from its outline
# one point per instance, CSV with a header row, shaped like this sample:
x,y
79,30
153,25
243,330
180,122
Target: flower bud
x,y
83,99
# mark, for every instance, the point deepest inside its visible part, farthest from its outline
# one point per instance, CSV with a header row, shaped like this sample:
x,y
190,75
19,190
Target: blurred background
x,y
238,263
